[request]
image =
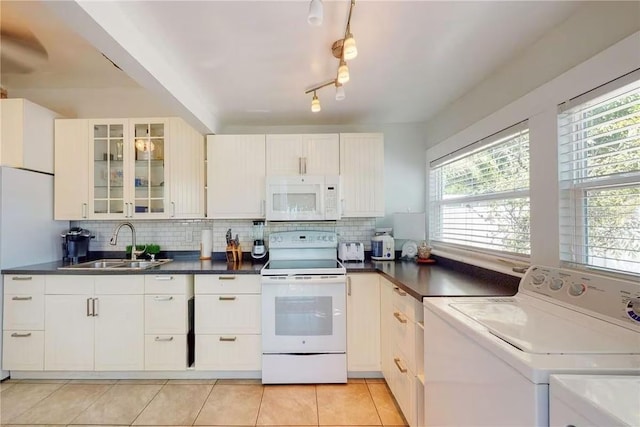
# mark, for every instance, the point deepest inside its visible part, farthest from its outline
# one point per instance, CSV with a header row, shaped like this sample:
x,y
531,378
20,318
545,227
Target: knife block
x,y
234,254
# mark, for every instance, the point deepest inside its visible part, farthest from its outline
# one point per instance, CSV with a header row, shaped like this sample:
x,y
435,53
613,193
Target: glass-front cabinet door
x,y
108,152
149,168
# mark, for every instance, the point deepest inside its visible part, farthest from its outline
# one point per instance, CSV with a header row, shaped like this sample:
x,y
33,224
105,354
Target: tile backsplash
x,y
185,235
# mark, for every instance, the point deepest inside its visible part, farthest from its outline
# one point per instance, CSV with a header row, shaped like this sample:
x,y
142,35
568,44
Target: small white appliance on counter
x,y
351,251
303,198
383,247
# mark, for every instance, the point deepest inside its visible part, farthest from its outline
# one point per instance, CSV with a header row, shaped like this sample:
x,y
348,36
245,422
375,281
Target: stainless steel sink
x,y
116,264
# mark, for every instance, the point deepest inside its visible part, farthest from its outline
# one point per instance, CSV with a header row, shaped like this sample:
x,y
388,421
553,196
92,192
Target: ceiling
x,y
250,62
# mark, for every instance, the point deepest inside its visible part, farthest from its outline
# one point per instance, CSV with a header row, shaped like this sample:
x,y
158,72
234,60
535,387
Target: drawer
x,y
69,285
168,284
407,304
227,284
403,338
23,284
120,285
223,314
23,350
165,352
228,353
404,390
165,314
24,312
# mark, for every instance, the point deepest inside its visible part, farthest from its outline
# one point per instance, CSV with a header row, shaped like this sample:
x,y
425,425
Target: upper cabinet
x,y
313,154
362,174
129,170
233,159
26,135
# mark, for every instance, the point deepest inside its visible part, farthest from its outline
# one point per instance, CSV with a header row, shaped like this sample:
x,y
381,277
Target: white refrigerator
x,y
28,233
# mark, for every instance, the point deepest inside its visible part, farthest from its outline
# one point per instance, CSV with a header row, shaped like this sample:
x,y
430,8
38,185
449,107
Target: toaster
x,y
351,251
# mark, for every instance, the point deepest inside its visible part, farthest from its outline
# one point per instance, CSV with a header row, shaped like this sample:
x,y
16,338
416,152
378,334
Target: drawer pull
x,y
169,298
17,335
229,339
22,298
22,278
164,277
164,339
400,318
399,292
227,298
226,277
401,368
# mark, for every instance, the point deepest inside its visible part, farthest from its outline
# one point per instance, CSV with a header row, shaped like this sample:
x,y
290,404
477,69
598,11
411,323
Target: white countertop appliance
x,y
303,198
383,247
351,251
594,400
304,325
493,356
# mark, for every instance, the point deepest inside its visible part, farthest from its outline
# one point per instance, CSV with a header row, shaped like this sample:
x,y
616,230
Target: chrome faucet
x,y
114,238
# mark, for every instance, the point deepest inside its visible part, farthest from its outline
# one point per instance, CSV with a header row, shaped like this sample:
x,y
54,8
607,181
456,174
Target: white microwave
x,y
303,198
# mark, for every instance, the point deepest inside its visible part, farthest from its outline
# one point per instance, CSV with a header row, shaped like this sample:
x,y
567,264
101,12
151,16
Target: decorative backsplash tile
x,y
185,235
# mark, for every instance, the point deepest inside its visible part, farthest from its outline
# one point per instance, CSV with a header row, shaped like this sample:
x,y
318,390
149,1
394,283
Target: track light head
x,y
340,95
349,49
316,11
343,72
315,103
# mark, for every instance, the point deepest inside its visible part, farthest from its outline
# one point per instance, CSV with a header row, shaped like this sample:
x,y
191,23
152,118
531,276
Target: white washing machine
x,y
594,401
488,360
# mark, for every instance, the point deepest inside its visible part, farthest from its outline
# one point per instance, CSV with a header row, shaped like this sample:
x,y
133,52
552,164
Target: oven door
x,y
304,314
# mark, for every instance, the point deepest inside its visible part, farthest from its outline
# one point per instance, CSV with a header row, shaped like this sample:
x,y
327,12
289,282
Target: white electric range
x,y
304,327
488,360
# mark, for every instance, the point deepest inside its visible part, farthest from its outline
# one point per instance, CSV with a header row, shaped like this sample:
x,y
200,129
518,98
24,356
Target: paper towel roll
x,y
206,244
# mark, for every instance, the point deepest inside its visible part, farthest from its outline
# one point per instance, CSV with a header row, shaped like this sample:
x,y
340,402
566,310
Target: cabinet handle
x,y
94,306
164,339
88,308
228,339
226,277
173,209
300,165
227,298
22,298
348,285
263,208
399,317
17,335
304,165
84,210
163,278
131,210
22,278
399,292
169,298
400,367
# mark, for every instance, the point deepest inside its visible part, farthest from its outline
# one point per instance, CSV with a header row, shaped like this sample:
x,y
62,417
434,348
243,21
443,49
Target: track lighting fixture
x,y
316,11
344,49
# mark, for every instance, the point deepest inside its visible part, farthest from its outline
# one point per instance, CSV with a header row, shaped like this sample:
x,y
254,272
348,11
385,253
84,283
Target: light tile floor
x,y
196,402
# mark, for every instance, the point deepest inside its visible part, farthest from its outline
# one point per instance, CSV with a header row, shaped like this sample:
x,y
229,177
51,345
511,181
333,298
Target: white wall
x,y
404,173
540,107
591,30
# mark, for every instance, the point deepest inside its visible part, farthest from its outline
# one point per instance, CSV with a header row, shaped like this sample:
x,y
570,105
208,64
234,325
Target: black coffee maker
x,y
75,244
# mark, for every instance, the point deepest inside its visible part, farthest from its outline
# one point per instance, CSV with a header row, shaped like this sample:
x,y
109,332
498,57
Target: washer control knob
x,y
556,284
538,279
633,309
577,289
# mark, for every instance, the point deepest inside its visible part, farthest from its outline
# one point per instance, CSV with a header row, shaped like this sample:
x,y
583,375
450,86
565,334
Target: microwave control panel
x,y
331,198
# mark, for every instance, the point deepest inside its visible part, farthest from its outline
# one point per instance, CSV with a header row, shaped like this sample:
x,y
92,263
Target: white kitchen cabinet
x,y
26,135
235,176
166,325
186,166
363,322
94,323
71,180
386,317
23,324
362,173
228,323
310,154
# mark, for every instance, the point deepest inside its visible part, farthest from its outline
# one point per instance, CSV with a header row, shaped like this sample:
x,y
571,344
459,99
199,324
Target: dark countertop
x,y
444,278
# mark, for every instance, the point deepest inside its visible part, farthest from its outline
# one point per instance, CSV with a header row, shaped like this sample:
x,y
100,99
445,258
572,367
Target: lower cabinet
x,y
228,322
363,322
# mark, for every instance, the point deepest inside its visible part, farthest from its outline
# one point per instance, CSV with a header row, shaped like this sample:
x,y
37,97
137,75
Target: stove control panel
x,y
303,240
610,298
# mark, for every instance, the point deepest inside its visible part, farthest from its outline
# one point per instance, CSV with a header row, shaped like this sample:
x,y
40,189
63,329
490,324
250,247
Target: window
x,y
479,196
599,153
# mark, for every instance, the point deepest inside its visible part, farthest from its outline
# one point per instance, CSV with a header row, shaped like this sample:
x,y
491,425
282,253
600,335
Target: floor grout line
x,y
203,404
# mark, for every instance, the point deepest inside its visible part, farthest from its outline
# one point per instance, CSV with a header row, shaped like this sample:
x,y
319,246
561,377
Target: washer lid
x,y
533,330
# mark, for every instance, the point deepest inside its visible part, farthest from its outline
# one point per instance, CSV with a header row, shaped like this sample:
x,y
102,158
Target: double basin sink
x,y
116,264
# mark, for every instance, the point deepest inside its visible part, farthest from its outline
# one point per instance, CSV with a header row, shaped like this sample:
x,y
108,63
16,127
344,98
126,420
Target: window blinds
x,y
599,155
